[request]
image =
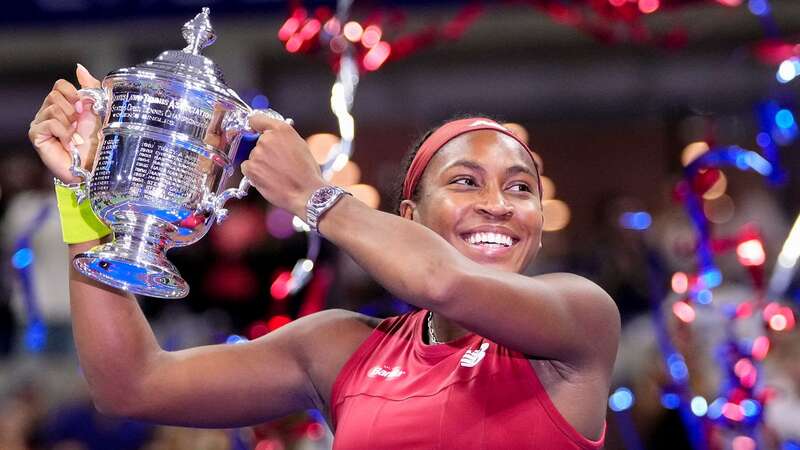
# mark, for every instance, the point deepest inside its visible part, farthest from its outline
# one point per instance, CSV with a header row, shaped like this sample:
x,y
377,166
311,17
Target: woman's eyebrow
x,y
466,163
518,168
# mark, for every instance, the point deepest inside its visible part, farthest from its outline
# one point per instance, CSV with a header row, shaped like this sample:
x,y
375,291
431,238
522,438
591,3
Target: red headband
x,y
445,134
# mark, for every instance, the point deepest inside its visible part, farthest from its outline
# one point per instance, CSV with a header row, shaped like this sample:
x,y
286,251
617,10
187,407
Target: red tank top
x,y
396,392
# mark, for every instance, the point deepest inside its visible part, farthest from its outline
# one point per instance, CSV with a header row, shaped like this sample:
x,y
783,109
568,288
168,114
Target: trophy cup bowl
x,y
170,132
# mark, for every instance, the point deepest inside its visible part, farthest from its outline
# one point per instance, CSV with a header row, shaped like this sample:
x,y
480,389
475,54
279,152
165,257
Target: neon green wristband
x,y
78,221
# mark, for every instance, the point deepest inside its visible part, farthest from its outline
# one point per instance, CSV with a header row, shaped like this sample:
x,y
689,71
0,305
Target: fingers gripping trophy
x,y
170,131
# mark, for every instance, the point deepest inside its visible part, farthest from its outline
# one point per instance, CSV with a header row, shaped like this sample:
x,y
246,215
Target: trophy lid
x,y
188,64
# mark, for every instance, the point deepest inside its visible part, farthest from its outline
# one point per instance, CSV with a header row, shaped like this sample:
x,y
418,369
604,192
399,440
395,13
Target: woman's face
x,y
480,193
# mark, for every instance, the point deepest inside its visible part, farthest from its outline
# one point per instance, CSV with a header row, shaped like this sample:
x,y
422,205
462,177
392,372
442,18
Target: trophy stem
x,y
135,260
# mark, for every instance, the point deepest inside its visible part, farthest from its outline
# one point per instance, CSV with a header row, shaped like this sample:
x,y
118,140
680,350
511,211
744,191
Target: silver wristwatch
x,y
320,202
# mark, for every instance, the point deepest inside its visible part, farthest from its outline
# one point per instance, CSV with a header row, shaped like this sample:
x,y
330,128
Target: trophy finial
x,y
198,32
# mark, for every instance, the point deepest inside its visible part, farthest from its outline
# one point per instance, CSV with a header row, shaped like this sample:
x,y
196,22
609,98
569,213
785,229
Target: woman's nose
x,y
495,204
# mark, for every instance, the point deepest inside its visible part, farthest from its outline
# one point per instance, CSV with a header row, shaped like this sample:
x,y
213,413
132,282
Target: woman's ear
x,y
408,209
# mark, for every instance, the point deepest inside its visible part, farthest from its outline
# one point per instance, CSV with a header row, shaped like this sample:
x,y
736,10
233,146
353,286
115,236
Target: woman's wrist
x,y
300,201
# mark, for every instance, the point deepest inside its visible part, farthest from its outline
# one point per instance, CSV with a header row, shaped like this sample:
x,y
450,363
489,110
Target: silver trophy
x,y
171,129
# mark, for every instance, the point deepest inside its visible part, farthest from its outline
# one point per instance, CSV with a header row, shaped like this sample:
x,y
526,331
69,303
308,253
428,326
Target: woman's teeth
x,y
490,239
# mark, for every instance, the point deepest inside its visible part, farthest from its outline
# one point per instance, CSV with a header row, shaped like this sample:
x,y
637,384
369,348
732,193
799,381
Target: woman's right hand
x,y
63,120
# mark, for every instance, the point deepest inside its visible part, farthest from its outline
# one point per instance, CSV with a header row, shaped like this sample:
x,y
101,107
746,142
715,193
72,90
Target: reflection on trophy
x,y
171,129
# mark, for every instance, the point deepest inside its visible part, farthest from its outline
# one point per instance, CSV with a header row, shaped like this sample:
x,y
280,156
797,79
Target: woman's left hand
x,y
281,166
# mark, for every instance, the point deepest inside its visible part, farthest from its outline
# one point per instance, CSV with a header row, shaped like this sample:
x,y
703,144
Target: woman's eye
x,y
522,187
464,181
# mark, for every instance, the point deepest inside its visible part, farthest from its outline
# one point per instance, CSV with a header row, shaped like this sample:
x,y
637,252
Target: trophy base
x,y
133,264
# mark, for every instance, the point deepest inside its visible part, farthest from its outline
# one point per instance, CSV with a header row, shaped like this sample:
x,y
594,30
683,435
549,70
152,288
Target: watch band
x,y
320,202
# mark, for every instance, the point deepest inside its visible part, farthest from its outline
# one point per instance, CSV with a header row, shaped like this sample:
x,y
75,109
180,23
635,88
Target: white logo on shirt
x,y
472,357
386,372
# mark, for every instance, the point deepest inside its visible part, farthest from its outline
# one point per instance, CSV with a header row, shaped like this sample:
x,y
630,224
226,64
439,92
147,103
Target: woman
x,y
493,359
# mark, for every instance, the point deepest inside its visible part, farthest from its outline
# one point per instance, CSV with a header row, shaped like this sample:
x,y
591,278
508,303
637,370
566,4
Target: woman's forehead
x,y
485,147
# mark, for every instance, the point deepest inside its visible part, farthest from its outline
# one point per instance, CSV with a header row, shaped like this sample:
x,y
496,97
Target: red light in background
x,y
742,367
276,322
280,287
289,27
684,311
315,431
733,412
744,309
372,35
310,29
760,348
294,43
377,55
731,3
269,444
257,330
649,6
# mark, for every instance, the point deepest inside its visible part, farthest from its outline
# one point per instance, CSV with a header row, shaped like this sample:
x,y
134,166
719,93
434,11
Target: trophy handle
x,y
216,203
98,97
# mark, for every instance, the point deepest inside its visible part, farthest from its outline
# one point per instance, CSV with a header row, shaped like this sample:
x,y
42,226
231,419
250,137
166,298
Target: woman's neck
x,y
443,329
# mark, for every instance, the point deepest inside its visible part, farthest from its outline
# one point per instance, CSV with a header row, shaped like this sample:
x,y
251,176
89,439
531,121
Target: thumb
x,y
85,79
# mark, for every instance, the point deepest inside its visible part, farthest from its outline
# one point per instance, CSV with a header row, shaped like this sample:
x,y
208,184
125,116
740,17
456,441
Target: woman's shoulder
x,y
577,288
327,339
337,324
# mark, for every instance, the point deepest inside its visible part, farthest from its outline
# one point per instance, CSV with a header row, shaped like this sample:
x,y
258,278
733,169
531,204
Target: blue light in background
x,y
22,258
260,101
235,339
620,400
316,415
638,220
758,7
670,400
677,367
750,408
704,297
742,162
711,278
758,163
715,408
763,139
784,119
36,336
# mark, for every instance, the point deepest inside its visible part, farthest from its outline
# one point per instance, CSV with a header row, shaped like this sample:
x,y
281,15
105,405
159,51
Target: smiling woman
x,y
492,358
476,186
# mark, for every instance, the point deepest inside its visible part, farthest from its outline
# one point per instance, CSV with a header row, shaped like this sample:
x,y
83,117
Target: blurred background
x,y
668,135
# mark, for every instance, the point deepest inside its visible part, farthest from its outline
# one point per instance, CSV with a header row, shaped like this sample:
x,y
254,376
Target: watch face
x,y
323,196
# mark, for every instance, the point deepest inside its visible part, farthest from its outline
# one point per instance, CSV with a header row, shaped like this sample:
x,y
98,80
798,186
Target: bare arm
x,y
561,317
219,385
